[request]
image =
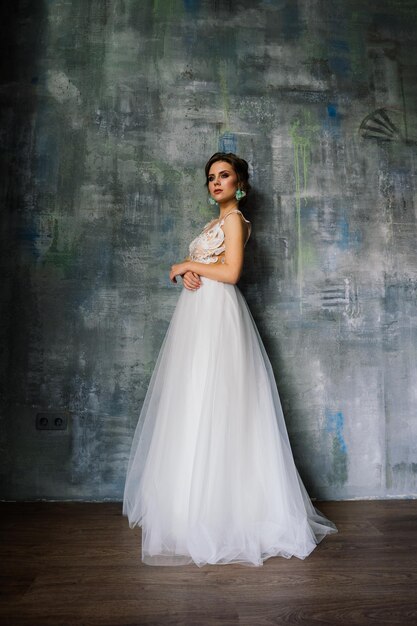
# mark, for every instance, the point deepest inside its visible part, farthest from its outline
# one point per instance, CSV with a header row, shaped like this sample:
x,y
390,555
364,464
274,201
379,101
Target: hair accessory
x,y
240,193
211,200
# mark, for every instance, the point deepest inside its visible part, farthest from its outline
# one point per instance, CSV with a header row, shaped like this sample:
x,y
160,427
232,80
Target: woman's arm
x,y
191,280
229,271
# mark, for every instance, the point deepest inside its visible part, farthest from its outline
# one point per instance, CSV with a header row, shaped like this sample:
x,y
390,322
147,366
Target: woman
x,y
211,476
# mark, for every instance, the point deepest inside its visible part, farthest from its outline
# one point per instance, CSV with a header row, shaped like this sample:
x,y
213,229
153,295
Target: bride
x,y
211,478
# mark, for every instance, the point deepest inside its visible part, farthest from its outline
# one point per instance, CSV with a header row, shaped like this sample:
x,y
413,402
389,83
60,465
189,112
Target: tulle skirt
x,y
211,477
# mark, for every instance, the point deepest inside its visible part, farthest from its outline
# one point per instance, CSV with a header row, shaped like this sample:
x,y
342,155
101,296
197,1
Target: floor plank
x,y
73,563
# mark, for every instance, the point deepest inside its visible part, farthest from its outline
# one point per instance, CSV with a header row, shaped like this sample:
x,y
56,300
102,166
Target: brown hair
x,y
239,165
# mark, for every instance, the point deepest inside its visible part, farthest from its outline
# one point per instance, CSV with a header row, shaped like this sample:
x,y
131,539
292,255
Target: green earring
x,y
211,200
240,193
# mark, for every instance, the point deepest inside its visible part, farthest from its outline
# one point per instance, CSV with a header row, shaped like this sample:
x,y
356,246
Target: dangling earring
x,y
211,200
240,193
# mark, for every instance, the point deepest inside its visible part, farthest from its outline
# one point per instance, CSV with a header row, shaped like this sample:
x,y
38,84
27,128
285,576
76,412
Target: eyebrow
x,y
222,172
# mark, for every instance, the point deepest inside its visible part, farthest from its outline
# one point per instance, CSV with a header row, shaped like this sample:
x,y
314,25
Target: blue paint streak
x,y
47,150
331,121
228,143
347,238
335,424
339,44
340,66
192,6
308,211
332,110
339,60
344,233
28,235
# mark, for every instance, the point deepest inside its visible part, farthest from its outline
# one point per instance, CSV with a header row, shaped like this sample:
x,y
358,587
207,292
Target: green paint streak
x,y
302,134
388,477
224,94
399,474
163,173
64,258
339,473
313,46
355,38
309,255
162,12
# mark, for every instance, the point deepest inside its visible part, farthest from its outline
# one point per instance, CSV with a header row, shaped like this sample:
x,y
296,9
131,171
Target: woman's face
x,y
222,181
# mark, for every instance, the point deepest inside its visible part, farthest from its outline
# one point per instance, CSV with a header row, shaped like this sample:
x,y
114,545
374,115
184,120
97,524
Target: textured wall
x,y
110,109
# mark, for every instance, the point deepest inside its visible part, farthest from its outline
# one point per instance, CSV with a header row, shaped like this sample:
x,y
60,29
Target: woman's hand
x,y
178,269
191,280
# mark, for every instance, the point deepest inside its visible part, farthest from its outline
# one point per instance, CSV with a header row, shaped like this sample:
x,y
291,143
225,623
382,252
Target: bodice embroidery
x,y
209,244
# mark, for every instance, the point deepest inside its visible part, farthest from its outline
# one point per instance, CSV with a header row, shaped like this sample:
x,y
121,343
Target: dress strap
x,y
247,221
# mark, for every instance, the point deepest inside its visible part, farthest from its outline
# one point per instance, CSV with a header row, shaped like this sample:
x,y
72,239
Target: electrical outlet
x,y
52,420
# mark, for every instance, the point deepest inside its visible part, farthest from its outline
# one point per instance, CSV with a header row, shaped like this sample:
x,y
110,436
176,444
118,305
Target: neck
x,y
225,207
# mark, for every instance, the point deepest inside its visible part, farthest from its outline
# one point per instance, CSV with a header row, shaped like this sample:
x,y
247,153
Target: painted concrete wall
x,y
110,109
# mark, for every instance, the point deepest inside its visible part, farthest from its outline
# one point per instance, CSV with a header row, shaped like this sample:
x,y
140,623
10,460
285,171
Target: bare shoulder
x,y
236,222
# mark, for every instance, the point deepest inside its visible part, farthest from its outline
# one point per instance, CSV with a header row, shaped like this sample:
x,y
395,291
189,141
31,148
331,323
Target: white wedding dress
x,y
211,477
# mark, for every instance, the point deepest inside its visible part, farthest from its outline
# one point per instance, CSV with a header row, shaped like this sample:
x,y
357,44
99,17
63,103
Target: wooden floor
x,y
79,564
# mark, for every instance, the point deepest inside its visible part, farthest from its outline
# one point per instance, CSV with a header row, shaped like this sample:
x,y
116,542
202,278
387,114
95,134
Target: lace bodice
x,y
209,244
